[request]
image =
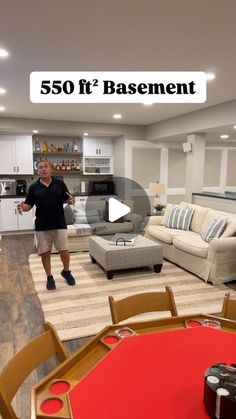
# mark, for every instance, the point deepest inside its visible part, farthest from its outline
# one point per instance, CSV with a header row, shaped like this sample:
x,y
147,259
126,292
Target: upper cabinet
x,y
16,155
101,147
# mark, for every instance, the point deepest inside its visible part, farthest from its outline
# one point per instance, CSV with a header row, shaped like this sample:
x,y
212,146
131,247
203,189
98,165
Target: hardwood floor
x,y
21,316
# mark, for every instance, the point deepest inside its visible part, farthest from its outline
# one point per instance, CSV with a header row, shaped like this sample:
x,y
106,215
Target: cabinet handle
x,y
96,151
14,168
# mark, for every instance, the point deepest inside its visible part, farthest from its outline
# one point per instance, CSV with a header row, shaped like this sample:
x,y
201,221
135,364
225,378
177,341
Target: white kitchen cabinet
x,y
16,155
11,220
97,147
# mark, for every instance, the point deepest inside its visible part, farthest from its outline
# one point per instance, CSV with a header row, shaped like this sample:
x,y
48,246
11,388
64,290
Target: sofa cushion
x,y
231,222
165,234
180,218
112,228
78,230
191,243
215,229
198,217
168,208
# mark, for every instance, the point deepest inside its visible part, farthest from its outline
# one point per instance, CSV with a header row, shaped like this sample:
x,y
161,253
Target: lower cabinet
x,y
11,220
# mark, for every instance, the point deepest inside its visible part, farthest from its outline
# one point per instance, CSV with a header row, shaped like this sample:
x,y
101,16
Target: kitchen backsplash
x,y
73,182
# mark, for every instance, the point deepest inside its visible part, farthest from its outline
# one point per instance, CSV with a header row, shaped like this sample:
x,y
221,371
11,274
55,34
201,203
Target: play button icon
x,y
116,209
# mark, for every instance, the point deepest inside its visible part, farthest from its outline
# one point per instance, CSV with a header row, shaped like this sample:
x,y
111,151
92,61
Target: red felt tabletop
x,y
154,376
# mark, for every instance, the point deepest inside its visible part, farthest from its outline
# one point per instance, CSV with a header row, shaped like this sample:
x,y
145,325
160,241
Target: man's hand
x,y
20,208
71,199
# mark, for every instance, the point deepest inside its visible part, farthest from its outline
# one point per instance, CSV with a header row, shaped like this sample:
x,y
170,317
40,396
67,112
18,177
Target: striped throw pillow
x,y
86,217
180,218
215,229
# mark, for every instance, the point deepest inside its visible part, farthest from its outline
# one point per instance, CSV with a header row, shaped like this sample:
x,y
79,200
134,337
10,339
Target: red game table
x,y
158,373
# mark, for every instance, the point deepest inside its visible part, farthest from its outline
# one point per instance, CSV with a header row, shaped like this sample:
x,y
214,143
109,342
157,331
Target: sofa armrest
x,y
224,249
154,220
136,219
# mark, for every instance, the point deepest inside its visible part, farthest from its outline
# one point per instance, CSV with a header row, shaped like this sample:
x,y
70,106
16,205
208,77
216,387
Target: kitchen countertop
x,y
227,195
12,196
74,194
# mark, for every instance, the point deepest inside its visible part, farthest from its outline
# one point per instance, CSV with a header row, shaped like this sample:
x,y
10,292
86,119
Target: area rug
x,y
83,310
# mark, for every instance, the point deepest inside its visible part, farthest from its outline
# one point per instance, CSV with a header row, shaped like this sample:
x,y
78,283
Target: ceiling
x,y
106,35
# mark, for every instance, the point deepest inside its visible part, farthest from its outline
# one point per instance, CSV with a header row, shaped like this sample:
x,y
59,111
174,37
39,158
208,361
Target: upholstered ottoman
x,y
111,257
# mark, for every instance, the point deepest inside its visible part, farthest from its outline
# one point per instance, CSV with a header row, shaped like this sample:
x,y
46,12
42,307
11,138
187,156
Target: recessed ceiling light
x,y
2,108
224,136
85,133
117,116
2,91
35,131
3,53
210,76
234,126
148,102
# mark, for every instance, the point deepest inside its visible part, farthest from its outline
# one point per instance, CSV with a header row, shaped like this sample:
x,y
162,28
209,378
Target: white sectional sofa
x,y
214,261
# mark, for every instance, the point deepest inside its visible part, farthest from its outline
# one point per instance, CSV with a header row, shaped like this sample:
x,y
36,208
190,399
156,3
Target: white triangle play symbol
x,y
116,209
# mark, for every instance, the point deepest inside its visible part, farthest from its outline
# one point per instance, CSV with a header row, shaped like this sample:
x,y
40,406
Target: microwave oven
x,y
101,187
7,187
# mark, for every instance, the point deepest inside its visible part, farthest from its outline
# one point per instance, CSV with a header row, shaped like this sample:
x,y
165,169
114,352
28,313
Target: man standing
x,y
48,195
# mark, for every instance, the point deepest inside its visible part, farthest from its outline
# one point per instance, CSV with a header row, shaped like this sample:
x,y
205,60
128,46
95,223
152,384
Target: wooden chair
x,y
142,303
24,362
228,308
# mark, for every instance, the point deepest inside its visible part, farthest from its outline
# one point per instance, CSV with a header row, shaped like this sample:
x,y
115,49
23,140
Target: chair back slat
x,y
229,308
142,303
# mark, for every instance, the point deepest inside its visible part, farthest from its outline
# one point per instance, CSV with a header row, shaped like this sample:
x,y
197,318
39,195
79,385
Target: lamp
x,y
157,189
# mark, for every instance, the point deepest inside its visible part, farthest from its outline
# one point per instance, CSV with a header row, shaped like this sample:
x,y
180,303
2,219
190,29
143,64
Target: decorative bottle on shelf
x,y
77,165
68,165
73,165
37,146
44,147
51,149
68,148
63,166
75,148
58,166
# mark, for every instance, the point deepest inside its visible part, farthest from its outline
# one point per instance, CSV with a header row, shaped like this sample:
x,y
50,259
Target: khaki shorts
x,y
49,237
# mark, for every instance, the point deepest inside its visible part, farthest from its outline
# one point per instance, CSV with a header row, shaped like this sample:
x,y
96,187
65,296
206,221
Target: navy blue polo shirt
x,y
49,202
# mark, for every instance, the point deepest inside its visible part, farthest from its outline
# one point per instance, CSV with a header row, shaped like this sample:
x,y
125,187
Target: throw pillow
x,y
86,217
69,215
215,229
180,218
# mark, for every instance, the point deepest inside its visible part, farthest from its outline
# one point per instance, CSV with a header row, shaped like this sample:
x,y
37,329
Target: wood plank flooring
x,y
21,316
